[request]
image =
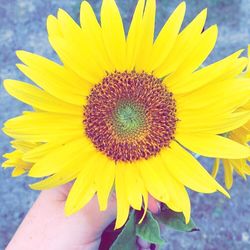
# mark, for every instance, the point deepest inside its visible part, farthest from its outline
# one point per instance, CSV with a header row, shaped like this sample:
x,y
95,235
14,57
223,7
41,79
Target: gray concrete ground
x,y
224,224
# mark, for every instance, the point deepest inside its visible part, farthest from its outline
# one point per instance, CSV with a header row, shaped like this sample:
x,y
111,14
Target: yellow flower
x,y
121,109
242,136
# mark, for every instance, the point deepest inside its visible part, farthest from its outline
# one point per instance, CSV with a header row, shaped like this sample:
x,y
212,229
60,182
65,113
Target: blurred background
x,y
223,223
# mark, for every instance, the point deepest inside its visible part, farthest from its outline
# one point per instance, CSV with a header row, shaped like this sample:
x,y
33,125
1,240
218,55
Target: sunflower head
x,y
122,109
130,116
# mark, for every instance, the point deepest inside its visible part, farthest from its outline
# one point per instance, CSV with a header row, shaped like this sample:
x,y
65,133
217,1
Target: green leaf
x,y
175,220
126,240
149,230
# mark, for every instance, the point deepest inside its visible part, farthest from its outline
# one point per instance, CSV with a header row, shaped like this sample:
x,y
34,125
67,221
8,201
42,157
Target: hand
x,y
46,226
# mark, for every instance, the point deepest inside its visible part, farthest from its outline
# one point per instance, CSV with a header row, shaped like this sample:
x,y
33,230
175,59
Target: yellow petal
x,y
113,34
185,44
197,56
216,167
178,196
83,189
235,71
235,93
93,33
68,173
104,180
23,146
134,36
53,27
54,72
62,157
78,45
122,202
146,37
14,159
34,120
37,137
43,126
238,166
213,146
35,154
152,180
145,200
189,171
228,169
39,99
17,172
223,68
246,168
88,19
167,37
134,186
14,155
62,177
53,78
56,90
78,61
217,124
69,27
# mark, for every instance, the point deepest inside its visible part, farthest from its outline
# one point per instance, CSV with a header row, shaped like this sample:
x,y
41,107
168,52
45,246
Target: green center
x,y
129,119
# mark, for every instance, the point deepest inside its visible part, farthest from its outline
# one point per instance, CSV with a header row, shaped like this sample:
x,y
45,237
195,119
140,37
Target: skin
x,y
46,226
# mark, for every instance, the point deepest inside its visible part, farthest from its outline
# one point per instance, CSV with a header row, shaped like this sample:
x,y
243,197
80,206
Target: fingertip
x,y
154,206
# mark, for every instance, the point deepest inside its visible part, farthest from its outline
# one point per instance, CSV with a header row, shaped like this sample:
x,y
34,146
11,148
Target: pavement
x,y
224,223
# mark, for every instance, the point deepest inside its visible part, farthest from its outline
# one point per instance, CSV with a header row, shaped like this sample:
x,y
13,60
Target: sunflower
x,y
242,136
123,110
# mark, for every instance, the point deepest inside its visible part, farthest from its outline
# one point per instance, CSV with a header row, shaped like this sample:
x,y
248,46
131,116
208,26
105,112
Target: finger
x,y
102,217
153,205
64,189
59,193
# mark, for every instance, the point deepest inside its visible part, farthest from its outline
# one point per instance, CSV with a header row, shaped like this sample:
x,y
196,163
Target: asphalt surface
x,y
224,224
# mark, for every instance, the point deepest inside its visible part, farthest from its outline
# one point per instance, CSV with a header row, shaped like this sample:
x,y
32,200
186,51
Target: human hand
x,y
46,226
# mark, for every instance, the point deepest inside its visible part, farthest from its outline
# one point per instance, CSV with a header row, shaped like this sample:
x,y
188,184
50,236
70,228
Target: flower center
x,y
128,119
130,116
